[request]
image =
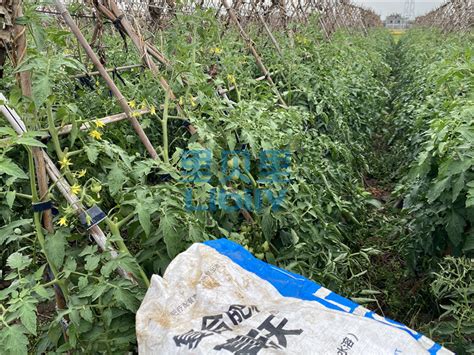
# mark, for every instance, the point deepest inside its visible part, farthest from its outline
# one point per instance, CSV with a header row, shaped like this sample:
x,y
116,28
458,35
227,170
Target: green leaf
x,y
88,250
294,237
28,316
144,217
10,197
437,189
173,241
86,314
115,179
455,228
469,244
470,195
83,282
9,229
31,142
457,187
69,266
74,133
10,168
56,248
39,34
267,224
126,299
7,131
41,291
41,88
92,153
13,340
92,261
98,291
18,261
39,273
374,202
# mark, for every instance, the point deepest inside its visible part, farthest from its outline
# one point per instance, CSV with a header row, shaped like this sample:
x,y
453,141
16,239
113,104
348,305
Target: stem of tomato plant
x,y
39,227
17,194
55,138
114,229
53,131
74,152
164,128
125,220
252,180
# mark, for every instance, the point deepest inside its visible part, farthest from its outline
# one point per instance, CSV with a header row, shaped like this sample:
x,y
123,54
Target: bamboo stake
x,y
145,49
96,232
110,83
85,126
41,176
225,91
270,34
254,52
105,120
114,14
94,73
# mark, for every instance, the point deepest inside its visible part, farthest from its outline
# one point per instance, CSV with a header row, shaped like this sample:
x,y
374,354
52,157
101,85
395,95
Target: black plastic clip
x,y
116,74
118,25
186,123
42,206
92,217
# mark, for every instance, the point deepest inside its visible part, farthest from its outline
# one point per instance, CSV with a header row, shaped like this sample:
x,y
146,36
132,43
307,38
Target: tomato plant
x,y
337,94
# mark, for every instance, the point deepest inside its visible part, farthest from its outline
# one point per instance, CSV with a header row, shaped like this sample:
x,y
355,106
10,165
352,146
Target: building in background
x,y
396,21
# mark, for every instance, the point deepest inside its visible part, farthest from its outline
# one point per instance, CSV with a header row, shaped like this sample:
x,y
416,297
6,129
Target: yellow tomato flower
x,y
62,221
99,124
152,110
135,114
300,39
192,101
215,50
143,105
95,134
75,189
231,79
132,104
65,162
181,101
81,173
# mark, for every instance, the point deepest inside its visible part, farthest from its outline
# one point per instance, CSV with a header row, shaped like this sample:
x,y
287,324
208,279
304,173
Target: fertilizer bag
x,y
217,298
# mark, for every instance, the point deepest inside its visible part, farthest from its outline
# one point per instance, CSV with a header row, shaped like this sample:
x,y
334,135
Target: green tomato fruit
x,y
96,187
235,176
233,162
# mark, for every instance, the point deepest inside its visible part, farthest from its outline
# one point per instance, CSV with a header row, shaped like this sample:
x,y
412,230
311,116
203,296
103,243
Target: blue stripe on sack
x,y
290,284
286,282
434,349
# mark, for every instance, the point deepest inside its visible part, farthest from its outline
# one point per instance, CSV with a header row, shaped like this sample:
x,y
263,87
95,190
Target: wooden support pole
x,y
108,70
60,182
105,120
270,34
225,91
146,50
252,49
110,83
39,162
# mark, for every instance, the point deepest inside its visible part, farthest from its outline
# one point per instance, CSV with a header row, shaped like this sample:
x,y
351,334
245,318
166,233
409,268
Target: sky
x,y
387,7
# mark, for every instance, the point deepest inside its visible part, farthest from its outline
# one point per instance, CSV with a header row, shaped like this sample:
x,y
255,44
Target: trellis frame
x,y
334,14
